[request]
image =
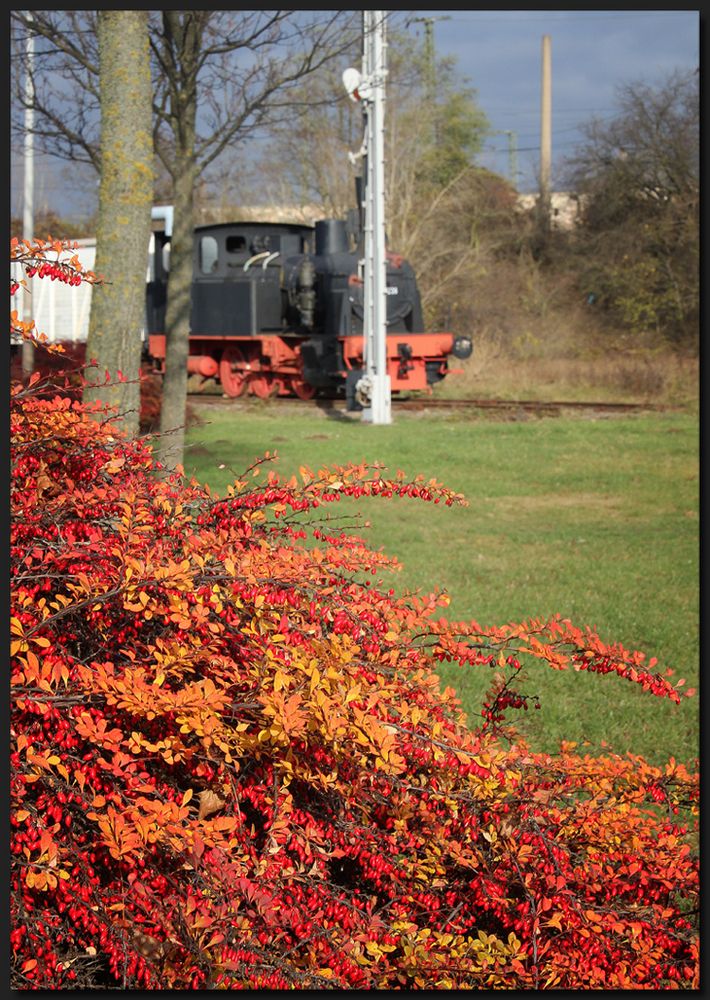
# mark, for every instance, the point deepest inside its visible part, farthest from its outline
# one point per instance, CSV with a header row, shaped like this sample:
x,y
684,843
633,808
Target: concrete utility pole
x,y
372,94
546,129
28,351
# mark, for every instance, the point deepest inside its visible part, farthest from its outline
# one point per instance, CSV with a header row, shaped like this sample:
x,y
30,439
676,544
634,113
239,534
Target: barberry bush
x,y
65,364
233,764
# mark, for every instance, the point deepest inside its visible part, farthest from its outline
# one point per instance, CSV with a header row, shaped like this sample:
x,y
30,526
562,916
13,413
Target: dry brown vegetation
x,y
565,357
536,337
638,377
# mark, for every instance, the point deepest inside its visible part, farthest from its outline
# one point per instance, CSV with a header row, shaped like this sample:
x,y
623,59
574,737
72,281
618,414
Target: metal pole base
x,y
380,409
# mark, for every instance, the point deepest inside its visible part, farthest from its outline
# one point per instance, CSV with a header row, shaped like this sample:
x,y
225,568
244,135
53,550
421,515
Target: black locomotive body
x,y
278,309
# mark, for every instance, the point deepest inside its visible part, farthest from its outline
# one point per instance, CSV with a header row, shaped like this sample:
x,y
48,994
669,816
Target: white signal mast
x,y
369,87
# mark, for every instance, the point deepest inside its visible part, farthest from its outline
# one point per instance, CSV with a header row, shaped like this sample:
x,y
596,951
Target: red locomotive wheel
x,y
263,386
303,389
231,371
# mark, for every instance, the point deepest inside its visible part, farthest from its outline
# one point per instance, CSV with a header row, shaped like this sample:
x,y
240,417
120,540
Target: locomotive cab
x,y
236,284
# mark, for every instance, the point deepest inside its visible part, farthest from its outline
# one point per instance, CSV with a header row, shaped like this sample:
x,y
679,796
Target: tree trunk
x,y
171,441
125,198
183,41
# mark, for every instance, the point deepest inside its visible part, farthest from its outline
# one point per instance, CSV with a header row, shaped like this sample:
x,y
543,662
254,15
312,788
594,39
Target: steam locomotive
x,y
278,308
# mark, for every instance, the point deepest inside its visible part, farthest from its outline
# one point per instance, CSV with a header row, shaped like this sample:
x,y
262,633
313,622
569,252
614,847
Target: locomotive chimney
x,y
331,237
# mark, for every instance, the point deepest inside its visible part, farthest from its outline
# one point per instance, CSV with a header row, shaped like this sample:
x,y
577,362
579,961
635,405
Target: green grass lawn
x,y
594,519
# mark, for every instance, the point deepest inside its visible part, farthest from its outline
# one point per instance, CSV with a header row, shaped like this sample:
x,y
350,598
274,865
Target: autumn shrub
x,y
66,366
233,765
67,370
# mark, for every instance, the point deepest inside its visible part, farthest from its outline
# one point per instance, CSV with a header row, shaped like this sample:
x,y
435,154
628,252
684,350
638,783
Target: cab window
x,y
208,256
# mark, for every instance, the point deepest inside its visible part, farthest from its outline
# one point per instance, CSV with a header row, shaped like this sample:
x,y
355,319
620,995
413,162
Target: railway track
x,y
533,406
505,408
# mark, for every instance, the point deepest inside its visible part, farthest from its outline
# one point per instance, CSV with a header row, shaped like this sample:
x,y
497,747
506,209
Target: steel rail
x,y
429,402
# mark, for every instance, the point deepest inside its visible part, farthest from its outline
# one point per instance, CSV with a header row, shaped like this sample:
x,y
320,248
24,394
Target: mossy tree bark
x,y
125,199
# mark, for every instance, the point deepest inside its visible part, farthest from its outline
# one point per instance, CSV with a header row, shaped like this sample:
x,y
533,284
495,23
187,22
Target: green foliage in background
x,y
638,176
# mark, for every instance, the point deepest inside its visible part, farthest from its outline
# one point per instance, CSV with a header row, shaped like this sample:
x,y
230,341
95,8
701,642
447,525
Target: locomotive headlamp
x,y
463,348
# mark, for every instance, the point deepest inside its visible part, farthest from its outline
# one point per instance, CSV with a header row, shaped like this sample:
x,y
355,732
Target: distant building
x,y
297,214
565,208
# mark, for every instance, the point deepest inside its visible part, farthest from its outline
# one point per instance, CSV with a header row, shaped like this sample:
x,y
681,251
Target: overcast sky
x,y
499,53
592,52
